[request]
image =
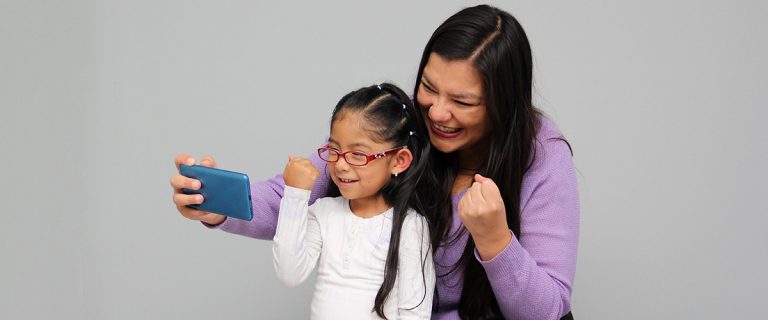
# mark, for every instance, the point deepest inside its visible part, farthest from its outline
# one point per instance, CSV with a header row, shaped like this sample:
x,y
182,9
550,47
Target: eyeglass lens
x,y
353,158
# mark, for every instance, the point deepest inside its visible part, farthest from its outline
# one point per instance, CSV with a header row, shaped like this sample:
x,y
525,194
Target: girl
x,y
371,248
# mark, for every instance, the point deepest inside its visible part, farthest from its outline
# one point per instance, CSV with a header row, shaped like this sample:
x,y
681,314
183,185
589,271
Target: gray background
x,y
661,101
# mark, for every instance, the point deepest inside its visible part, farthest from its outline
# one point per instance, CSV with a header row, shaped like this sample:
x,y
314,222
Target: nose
x,y
439,111
341,164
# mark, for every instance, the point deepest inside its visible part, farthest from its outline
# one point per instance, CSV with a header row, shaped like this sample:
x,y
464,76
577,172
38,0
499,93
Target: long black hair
x,y
495,43
390,116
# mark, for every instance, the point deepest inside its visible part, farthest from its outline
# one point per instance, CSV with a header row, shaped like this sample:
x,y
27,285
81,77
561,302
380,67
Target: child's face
x,y
358,182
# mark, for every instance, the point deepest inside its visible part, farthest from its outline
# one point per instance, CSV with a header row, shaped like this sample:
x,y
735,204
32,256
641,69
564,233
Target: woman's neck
x,y
369,207
462,181
472,158
470,162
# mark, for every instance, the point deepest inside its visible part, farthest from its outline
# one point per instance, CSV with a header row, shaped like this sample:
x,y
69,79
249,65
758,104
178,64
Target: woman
x,y
501,184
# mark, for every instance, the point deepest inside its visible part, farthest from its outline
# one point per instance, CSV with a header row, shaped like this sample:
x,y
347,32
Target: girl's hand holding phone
x,y
181,200
300,173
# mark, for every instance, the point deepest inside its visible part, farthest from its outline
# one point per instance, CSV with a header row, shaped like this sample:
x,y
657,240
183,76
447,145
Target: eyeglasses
x,y
353,158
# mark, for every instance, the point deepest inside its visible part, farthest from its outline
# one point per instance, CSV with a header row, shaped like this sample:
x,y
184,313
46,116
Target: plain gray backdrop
x,y
663,102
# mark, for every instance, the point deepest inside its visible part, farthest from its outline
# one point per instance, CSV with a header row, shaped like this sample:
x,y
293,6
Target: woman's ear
x,y
402,160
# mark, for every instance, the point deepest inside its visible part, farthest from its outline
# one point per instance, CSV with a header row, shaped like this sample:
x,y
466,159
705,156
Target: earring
x,y
395,174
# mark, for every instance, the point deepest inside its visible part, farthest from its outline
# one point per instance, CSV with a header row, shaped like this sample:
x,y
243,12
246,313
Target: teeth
x,y
445,129
346,180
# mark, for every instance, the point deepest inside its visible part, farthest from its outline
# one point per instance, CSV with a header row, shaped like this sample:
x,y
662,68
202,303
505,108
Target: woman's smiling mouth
x,y
445,132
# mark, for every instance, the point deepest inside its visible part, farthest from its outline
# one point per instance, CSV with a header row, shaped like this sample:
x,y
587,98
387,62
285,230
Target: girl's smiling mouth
x,y
346,181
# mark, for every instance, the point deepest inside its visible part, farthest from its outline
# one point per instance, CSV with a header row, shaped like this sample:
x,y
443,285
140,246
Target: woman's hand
x,y
300,173
182,200
482,211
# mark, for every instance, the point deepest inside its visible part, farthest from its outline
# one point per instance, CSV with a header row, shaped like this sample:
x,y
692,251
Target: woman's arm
x,y
265,199
532,278
416,271
298,240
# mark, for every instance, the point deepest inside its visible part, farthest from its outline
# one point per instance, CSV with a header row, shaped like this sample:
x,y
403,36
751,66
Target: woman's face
x,y
452,94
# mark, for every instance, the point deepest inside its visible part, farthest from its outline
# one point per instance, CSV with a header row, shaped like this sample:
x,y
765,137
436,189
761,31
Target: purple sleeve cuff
x,y
214,226
509,259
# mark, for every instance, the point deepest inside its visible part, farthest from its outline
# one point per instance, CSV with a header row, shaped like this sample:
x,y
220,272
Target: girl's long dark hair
x,y
390,116
495,43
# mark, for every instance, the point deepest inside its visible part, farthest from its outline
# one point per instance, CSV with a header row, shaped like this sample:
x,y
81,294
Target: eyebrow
x,y
425,79
354,145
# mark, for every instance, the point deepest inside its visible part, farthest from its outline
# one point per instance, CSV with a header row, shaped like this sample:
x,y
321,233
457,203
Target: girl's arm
x,y
298,240
416,271
265,198
532,278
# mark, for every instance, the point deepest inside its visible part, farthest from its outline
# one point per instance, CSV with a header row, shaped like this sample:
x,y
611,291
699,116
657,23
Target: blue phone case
x,y
225,192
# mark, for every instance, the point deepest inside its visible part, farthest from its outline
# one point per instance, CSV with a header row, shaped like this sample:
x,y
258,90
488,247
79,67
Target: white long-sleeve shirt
x,y
351,253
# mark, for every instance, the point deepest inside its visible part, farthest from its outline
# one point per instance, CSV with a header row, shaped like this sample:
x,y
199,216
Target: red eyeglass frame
x,y
368,157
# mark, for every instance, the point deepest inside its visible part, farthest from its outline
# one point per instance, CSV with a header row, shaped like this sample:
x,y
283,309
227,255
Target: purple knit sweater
x,y
531,278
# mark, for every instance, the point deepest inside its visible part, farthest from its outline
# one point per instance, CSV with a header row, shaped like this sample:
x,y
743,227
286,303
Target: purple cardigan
x,y
531,278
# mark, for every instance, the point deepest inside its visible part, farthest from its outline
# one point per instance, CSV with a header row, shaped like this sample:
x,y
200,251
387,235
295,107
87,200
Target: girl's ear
x,y
402,160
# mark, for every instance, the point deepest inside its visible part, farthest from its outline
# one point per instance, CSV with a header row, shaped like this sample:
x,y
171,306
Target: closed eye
x,y
462,103
428,88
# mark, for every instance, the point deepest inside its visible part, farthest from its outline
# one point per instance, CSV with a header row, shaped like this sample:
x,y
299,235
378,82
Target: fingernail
x,y
190,161
195,184
199,199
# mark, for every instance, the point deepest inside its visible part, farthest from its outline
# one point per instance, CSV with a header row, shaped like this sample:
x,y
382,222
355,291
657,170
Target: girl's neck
x,y
369,207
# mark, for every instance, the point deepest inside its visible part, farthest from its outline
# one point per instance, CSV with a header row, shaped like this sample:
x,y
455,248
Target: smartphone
x,y
224,192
